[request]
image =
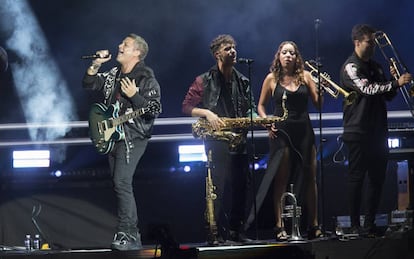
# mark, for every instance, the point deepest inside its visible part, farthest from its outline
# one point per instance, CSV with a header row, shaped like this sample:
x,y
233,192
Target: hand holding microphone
x,y
101,56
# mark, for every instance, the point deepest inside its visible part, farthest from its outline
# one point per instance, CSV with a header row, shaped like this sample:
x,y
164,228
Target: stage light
x,y
57,173
191,153
31,158
187,168
394,143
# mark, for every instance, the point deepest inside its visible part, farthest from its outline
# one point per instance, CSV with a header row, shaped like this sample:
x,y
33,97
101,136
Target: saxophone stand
x,y
212,236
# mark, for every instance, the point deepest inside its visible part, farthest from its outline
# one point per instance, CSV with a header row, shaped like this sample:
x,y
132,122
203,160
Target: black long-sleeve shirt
x,y
366,117
148,90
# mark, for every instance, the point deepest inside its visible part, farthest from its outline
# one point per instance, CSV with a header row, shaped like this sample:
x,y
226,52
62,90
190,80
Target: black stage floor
x,y
395,246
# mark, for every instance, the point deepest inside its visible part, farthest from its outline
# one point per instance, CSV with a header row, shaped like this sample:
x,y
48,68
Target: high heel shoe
x,y
315,232
281,234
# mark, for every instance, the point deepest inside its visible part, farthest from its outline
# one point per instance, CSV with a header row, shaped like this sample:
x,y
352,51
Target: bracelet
x,y
95,66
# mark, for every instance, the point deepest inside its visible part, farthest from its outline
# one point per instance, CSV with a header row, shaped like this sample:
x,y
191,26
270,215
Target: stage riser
x,y
398,246
81,213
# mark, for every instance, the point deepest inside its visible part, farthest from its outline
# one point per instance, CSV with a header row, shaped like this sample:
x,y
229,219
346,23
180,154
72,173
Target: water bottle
x,y
36,242
28,242
339,232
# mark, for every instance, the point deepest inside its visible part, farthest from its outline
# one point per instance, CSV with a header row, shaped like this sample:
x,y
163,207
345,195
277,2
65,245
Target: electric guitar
x,y
105,124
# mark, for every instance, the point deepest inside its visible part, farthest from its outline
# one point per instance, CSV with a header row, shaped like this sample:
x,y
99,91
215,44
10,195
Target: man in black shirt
x,y
224,92
130,86
365,124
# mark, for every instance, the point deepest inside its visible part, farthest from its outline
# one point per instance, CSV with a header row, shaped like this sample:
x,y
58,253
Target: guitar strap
x,y
111,95
109,85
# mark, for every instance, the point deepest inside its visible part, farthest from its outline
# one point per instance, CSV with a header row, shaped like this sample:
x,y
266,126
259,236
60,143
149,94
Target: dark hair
x,y
219,40
276,67
360,30
140,44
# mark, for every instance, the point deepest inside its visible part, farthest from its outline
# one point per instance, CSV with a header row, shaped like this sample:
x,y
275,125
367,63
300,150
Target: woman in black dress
x,y
292,152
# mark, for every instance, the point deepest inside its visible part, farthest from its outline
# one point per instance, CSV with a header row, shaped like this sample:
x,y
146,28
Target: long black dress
x,y
297,134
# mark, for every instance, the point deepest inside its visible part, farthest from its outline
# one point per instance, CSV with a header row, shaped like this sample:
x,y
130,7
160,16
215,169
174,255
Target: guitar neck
x,y
126,117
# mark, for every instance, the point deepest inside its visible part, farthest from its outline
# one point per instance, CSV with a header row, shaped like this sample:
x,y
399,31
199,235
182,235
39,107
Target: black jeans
x,y
366,158
122,176
229,173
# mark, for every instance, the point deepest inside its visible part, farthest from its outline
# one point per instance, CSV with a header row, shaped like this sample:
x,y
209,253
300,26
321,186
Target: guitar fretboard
x,y
126,117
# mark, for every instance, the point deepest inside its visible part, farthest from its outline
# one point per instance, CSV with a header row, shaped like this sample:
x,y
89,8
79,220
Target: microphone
x,y
317,23
245,60
315,62
94,56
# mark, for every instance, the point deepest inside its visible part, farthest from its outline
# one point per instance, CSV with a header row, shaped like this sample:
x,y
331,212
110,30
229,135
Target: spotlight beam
x,y
42,91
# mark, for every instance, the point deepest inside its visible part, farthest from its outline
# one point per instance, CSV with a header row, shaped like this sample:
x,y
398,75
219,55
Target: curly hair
x,y
276,67
219,40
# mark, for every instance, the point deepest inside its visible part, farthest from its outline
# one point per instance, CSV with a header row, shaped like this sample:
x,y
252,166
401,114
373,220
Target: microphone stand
x,y
252,146
321,140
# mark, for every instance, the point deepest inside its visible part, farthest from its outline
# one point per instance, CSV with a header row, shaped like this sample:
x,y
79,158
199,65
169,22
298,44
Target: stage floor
x,y
395,246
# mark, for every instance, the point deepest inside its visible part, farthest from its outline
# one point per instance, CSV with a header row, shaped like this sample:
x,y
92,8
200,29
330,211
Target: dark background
x,y
178,33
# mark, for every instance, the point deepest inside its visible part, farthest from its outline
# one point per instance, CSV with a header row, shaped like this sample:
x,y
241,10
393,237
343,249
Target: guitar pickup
x,y
104,126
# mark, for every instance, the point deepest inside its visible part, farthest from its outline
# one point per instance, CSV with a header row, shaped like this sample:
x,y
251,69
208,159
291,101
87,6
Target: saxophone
x,y
210,197
202,128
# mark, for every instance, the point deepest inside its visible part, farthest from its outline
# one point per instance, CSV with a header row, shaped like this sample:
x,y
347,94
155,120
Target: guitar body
x,y
105,124
102,130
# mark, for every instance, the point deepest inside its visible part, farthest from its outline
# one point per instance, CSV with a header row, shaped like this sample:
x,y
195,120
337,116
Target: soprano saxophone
x,y
203,129
210,197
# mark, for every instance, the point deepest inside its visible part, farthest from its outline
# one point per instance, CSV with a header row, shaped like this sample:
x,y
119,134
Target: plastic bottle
x,y
36,242
28,242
